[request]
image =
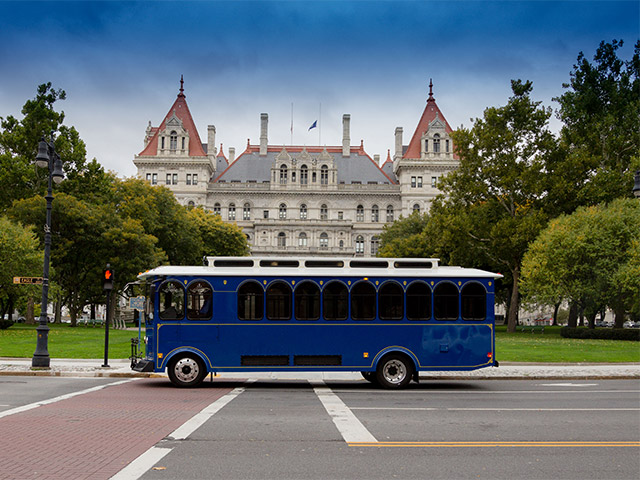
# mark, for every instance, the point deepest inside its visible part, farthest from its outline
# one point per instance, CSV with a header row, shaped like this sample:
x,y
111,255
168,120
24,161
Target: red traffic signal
x,y
107,278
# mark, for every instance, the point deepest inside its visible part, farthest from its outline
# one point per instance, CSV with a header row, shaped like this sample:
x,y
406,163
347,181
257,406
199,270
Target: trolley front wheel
x,y
186,371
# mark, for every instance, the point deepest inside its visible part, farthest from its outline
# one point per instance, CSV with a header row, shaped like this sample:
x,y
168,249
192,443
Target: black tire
x,y
369,376
394,371
186,371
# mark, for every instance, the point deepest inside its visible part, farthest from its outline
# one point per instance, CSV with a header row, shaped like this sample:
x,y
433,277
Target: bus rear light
x,y
490,355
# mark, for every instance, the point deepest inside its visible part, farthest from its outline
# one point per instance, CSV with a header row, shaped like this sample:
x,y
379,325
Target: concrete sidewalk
x,y
121,368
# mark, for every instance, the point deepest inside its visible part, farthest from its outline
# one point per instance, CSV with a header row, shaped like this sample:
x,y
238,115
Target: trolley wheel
x,y
369,376
186,371
394,371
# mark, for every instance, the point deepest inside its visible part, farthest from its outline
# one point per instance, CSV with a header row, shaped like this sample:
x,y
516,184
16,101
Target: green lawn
x,y
551,347
66,342
88,342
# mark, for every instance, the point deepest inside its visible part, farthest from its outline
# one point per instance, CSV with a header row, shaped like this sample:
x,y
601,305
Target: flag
x,y
315,124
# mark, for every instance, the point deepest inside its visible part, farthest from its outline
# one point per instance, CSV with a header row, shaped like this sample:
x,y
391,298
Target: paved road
x,y
144,428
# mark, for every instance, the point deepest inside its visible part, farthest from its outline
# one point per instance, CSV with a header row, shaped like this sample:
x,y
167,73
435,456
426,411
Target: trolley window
x,y
363,301
279,301
445,301
335,301
391,301
474,302
199,300
307,301
171,300
250,301
418,301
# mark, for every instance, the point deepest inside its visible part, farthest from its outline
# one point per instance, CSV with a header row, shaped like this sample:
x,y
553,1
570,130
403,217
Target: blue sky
x,y
120,63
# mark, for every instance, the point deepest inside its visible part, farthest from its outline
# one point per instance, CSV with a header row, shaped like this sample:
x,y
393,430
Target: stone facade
x,y
294,200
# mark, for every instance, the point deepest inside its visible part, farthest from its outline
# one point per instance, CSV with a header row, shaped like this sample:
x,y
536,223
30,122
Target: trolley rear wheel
x,y
394,371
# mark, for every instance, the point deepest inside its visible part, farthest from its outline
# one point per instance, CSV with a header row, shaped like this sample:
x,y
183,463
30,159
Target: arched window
x,y
324,241
363,301
375,214
436,143
389,213
341,244
426,145
199,300
173,140
324,175
216,208
191,203
282,239
250,301
171,300
246,212
324,212
304,175
359,213
474,302
416,207
278,301
232,211
359,244
391,301
446,148
303,212
418,301
445,301
282,211
283,174
375,243
335,301
302,240
307,301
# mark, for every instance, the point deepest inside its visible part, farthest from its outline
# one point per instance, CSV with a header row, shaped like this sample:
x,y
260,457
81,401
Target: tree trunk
x,y
556,307
619,319
592,320
514,303
31,320
572,322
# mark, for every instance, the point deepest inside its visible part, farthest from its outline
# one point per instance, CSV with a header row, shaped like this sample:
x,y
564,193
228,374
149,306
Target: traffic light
x,y
107,278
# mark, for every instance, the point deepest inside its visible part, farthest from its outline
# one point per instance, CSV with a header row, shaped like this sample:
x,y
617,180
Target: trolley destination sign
x,y
28,280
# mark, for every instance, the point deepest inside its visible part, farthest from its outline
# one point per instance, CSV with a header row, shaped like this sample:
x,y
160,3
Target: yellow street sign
x,y
28,280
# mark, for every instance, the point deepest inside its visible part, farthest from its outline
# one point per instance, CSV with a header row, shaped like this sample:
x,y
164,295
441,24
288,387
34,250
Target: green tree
x,y
601,133
406,237
161,216
20,256
218,238
19,177
494,199
590,258
85,237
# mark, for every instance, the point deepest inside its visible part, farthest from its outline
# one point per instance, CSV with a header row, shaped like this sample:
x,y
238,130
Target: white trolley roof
x,y
317,267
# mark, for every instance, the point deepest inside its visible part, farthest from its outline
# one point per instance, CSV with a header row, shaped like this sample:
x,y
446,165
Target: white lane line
x,y
142,464
347,423
427,391
568,384
49,401
198,419
481,409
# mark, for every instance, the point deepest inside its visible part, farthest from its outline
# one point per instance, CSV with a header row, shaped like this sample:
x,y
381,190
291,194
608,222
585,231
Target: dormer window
x,y
283,174
173,140
446,146
183,143
436,143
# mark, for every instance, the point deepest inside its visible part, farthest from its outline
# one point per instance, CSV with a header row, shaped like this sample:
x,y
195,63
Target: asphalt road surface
x,y
487,429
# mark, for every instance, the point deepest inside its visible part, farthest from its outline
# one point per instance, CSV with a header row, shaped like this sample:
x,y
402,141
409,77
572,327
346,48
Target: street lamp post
x,y
636,184
46,158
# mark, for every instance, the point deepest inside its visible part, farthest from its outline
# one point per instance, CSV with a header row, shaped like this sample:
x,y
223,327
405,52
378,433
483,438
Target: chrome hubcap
x,y
186,370
394,371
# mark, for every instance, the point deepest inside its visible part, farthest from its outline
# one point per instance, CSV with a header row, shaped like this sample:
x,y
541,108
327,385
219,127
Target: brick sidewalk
x,y
95,435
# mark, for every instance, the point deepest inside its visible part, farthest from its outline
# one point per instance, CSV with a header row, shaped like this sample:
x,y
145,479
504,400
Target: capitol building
x,y
300,200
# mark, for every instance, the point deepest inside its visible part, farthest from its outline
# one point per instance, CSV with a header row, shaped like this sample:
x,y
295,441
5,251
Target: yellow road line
x,y
622,443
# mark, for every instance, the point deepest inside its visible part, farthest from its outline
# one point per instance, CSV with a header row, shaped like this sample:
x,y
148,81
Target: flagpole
x,y
291,123
320,126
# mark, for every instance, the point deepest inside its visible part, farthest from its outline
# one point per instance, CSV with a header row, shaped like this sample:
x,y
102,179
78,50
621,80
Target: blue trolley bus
x,y
389,318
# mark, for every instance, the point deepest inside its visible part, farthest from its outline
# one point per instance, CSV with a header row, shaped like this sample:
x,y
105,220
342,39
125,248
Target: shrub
x,y
601,333
4,324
